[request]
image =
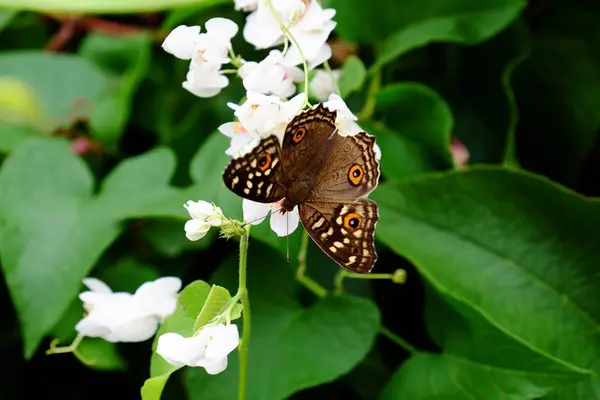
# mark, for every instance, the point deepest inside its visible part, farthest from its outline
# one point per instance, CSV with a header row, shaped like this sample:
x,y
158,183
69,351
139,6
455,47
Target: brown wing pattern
x,y
344,230
258,175
350,171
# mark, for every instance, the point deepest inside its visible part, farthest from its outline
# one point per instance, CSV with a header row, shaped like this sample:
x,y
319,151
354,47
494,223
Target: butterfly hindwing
x,y
351,170
257,175
344,230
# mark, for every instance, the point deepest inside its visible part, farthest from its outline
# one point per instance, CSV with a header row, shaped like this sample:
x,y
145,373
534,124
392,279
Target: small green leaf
x,y
216,300
352,76
12,135
189,304
447,377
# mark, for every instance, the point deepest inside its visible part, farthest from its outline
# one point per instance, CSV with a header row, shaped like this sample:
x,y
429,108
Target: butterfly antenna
x,y
333,133
266,215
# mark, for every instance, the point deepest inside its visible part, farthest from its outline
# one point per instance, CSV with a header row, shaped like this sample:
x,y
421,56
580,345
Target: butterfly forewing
x,y
258,175
344,230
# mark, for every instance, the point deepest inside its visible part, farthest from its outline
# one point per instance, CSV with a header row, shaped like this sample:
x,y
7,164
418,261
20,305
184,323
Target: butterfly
x,y
326,175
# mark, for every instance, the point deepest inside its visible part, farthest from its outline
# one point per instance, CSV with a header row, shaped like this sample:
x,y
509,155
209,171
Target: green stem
x,y
243,291
304,280
369,108
398,340
335,82
293,39
54,349
399,276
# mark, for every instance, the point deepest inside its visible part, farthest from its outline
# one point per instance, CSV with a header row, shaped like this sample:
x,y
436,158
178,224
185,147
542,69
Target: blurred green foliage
x,y
100,147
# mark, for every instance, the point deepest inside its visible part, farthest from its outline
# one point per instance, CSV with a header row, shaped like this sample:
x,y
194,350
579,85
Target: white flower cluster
x,y
126,317
204,215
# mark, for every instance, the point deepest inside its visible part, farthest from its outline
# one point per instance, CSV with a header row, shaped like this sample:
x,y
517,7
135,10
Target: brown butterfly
x,y
323,173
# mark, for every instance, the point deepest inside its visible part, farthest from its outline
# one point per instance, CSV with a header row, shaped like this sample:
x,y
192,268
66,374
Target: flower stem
x,y
304,280
398,340
399,276
54,349
369,108
243,291
293,39
336,86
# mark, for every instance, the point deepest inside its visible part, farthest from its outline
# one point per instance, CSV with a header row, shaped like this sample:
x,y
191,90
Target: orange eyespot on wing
x,y
356,174
264,161
299,135
352,221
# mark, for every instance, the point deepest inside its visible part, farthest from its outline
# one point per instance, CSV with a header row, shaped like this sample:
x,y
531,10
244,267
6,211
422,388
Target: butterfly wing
x,y
351,170
307,143
258,175
344,230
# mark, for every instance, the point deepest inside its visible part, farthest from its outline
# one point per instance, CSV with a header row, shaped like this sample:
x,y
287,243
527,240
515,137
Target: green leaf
x,y
189,304
588,389
100,354
101,6
487,239
181,15
12,135
6,18
125,59
352,76
50,241
217,298
80,83
410,24
292,347
418,123
448,377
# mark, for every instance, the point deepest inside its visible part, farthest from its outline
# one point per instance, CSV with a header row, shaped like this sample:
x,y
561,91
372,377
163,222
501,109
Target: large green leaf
x,y
189,304
102,6
50,238
400,27
514,249
292,347
448,377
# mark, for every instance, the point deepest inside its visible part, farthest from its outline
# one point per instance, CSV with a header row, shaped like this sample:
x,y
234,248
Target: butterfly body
x,y
326,176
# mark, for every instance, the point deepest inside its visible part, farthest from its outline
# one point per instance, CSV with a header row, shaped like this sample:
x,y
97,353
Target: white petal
x,y
242,144
88,328
199,209
223,339
322,55
223,27
247,68
254,212
213,367
97,286
181,41
137,330
285,224
245,5
262,29
178,350
159,297
377,151
322,83
196,229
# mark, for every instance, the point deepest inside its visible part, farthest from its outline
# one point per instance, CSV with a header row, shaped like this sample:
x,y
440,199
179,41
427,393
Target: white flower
x,y
263,115
187,43
311,31
125,317
262,28
204,215
205,80
345,120
271,76
241,141
323,83
208,349
282,224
